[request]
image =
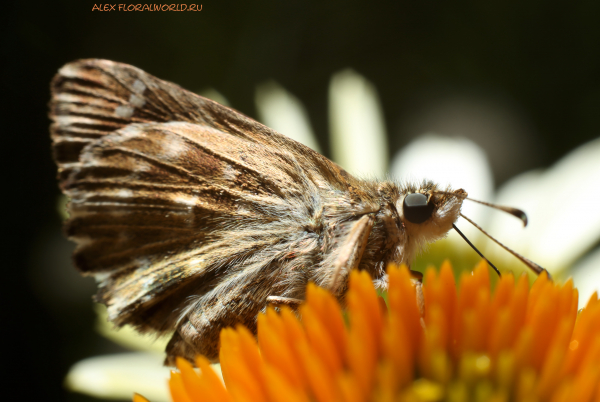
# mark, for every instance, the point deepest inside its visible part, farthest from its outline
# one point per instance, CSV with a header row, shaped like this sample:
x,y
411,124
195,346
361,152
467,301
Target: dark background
x,y
538,60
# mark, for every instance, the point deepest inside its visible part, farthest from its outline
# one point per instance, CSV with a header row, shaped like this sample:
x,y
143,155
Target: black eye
x,y
416,209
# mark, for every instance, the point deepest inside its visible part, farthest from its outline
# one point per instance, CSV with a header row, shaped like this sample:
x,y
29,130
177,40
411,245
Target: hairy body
x,y
191,215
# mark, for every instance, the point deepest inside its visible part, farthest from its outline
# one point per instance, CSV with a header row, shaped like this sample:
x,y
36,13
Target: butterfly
x,y
193,217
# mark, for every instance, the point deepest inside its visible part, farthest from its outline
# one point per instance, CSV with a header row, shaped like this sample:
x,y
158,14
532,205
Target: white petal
x,y
215,95
521,192
357,130
119,376
127,336
586,276
562,208
283,112
570,206
455,162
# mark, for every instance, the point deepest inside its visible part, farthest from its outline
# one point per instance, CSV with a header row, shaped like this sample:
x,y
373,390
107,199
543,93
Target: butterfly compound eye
x,y
416,208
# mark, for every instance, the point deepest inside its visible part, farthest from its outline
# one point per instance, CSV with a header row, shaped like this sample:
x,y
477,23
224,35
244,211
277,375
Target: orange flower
x,y
511,344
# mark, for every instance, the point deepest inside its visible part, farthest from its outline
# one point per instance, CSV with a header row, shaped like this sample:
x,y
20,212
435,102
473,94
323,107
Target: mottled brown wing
x,y
92,98
175,196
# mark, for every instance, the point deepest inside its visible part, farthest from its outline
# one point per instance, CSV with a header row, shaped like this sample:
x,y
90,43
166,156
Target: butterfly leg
x,y
416,278
352,251
278,301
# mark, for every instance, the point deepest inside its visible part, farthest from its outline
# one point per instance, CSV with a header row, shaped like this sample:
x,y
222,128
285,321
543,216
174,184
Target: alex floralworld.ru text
x,y
147,7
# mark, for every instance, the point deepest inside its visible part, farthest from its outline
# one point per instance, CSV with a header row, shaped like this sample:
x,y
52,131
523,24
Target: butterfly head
x,y
428,214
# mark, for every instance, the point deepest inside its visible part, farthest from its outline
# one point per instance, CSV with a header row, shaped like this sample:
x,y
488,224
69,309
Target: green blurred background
x,y
530,71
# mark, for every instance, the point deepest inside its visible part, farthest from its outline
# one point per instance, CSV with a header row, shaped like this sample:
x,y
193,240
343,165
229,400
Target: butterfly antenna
x,y
517,213
475,248
530,264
